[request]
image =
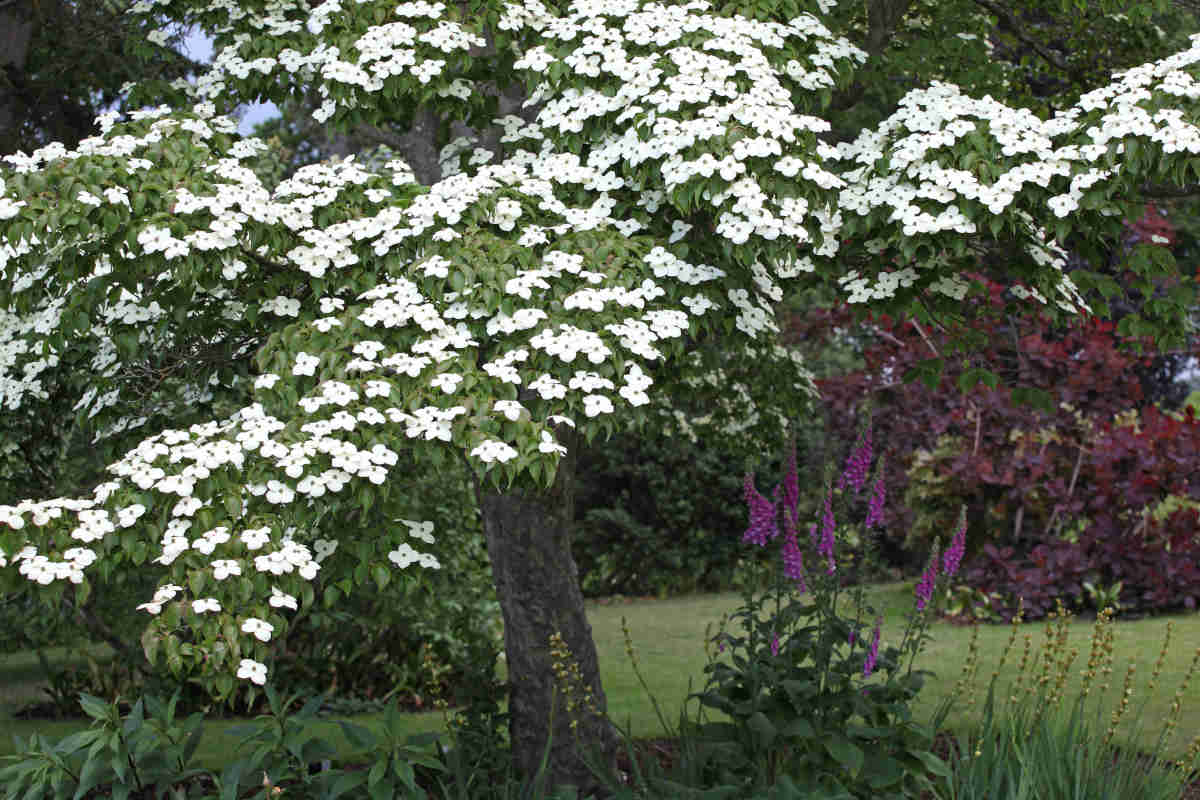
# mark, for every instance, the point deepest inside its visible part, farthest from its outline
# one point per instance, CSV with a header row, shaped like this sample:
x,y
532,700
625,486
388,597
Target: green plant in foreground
x,y
1044,747
817,704
810,689
147,748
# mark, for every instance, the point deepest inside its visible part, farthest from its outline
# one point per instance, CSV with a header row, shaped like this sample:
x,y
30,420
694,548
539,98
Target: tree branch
x,y
96,626
1159,192
1014,25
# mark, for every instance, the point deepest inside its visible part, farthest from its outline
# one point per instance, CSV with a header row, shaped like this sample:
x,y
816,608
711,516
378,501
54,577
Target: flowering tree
x,y
671,177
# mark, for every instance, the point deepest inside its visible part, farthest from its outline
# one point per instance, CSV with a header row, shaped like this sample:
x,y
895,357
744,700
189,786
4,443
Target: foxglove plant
x,y
815,691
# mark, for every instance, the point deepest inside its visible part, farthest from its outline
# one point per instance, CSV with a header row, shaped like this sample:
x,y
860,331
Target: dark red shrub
x,y
1056,498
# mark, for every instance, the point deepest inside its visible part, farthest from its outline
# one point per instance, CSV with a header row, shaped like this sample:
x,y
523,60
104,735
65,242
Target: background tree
x,y
62,62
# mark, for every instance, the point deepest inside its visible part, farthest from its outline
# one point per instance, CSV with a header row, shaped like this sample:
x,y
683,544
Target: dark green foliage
x,y
657,516
369,644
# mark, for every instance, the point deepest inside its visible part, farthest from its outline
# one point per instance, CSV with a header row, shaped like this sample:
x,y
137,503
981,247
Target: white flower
x,y
281,600
252,670
130,514
419,530
446,381
405,555
223,568
255,538
550,445
207,604
305,364
324,548
494,450
258,628
511,409
594,404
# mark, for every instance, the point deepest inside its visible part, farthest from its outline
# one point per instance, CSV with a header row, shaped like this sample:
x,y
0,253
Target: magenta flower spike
x,y
873,652
762,515
793,561
825,548
791,486
875,507
925,586
953,555
855,472
775,645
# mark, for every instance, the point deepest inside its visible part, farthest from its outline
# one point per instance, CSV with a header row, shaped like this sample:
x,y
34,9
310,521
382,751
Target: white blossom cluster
x,y
480,313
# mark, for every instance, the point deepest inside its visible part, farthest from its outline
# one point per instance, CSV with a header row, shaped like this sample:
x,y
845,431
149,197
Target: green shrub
x,y
657,515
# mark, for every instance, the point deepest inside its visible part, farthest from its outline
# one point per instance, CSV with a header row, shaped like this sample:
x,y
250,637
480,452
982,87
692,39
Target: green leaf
x,y
376,774
883,772
762,728
1031,396
150,643
798,728
929,372
933,763
344,783
845,752
973,375
359,736
93,706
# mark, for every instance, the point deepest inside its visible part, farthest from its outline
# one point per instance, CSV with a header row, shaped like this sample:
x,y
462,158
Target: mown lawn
x,y
668,636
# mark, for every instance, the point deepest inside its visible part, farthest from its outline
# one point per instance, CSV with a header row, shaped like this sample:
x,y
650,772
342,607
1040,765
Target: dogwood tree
x,y
671,175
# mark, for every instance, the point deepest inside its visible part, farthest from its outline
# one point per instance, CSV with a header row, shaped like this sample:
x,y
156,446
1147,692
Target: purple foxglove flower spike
x,y
875,507
762,515
928,579
793,561
873,652
855,473
825,548
953,555
775,645
791,485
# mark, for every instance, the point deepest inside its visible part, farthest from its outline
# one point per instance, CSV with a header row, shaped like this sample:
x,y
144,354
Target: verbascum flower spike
x,y
762,515
953,555
928,580
875,506
873,652
855,473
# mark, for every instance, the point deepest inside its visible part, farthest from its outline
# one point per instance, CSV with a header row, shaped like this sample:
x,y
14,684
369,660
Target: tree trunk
x,y
529,544
16,32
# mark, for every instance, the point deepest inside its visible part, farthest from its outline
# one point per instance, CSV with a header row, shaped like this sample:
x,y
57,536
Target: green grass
x,y
668,637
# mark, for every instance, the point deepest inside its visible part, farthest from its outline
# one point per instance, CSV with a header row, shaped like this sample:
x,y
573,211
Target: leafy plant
x,y
147,748
802,680
1046,745
818,704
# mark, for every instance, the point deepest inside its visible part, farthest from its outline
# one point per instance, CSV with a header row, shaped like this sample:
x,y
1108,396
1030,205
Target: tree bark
x,y
529,544
16,32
